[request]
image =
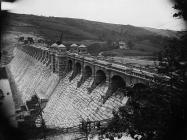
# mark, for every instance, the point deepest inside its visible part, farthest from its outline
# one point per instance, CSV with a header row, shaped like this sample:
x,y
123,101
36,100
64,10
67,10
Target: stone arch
x,y
70,65
117,82
100,77
77,68
87,72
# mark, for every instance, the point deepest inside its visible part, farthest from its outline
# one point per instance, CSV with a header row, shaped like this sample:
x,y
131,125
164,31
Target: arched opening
x,y
100,77
70,66
117,83
88,72
77,68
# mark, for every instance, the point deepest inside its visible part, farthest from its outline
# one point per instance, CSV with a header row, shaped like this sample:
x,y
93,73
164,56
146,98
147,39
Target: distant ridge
x,y
87,25
144,39
162,32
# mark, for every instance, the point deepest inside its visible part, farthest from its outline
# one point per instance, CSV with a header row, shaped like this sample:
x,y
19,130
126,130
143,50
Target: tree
x,y
150,112
173,59
180,5
173,62
130,44
158,112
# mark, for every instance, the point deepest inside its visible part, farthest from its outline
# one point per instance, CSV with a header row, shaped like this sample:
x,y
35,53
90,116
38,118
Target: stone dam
x,y
76,85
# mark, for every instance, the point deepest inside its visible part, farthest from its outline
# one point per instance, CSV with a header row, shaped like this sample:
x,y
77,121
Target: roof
x,y
44,48
74,45
61,46
54,45
82,46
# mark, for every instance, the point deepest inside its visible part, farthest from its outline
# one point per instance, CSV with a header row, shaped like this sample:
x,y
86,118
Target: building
x,y
74,48
122,45
82,49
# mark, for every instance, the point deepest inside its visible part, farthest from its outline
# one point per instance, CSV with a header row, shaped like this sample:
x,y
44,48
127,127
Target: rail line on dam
x,y
76,86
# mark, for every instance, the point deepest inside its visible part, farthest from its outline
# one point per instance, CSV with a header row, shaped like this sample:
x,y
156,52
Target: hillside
x,y
91,32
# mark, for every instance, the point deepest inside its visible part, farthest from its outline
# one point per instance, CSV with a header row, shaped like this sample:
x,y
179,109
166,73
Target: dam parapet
x,y
77,59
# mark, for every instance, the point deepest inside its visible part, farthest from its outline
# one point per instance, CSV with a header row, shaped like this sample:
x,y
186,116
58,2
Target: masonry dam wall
x,y
77,88
67,105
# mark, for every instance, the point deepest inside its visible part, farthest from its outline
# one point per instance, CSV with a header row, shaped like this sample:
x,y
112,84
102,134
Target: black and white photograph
x,y
93,70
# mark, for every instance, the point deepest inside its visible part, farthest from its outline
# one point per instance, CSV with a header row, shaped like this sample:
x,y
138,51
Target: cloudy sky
x,y
146,13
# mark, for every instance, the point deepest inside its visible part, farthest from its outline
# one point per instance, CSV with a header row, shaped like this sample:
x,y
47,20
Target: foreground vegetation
x,y
158,112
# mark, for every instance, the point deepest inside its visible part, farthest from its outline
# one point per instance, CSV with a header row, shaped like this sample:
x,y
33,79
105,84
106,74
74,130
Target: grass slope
x,y
76,30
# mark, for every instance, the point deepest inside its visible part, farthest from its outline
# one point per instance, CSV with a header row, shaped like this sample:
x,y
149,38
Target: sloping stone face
x,y
77,87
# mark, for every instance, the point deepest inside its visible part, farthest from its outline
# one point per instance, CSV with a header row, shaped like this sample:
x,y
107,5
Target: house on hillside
x,y
122,45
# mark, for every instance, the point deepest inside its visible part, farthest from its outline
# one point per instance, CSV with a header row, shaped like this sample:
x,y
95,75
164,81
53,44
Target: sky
x,y
142,13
